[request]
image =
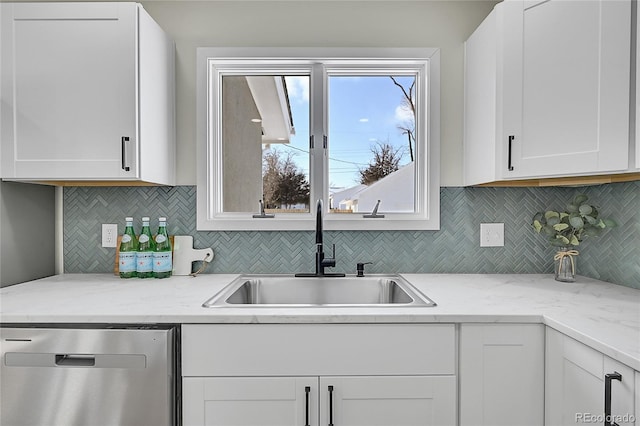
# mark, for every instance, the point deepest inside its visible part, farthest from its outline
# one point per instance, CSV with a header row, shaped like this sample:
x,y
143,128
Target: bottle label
x,y
162,261
127,261
143,238
126,238
144,261
160,238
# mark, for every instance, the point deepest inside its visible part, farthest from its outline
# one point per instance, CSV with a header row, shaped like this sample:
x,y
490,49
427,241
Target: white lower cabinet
x,y
399,375
319,374
637,399
311,401
227,401
501,374
577,378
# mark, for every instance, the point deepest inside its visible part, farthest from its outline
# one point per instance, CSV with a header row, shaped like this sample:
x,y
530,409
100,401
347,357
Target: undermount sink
x,y
290,291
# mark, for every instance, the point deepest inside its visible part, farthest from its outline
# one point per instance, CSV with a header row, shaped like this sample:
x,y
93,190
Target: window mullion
x,y
318,130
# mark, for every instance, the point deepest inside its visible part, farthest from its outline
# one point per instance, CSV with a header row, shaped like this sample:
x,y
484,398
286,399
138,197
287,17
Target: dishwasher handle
x,y
75,360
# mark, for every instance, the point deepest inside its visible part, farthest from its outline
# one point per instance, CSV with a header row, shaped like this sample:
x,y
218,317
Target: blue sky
x,y
362,111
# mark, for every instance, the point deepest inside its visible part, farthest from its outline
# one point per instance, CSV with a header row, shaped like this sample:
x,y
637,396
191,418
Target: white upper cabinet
x,y
87,93
547,90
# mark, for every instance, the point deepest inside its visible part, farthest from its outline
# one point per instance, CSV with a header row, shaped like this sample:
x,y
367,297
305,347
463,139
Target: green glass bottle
x,y
146,247
162,256
128,249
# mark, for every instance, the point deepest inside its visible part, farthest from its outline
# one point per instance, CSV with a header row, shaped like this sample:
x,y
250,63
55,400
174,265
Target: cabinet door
x,y
386,401
566,87
575,384
637,397
502,374
69,90
622,392
250,401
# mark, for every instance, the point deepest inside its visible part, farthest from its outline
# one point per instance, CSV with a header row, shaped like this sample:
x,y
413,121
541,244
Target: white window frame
x,y
212,63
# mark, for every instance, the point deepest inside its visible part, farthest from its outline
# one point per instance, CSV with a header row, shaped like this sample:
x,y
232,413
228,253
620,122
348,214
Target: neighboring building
x,y
255,114
395,192
344,198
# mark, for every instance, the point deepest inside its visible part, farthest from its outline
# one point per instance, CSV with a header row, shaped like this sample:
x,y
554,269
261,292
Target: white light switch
x,y
492,235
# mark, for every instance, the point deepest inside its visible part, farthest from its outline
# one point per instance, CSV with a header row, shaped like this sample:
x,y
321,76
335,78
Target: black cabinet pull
x,y
125,139
607,396
509,165
307,390
330,405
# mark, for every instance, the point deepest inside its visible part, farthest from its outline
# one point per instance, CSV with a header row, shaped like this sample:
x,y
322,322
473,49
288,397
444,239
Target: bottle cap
x,y
145,219
162,219
128,219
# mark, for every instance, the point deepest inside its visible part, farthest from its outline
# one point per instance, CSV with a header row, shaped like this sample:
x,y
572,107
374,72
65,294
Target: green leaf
x,y
553,220
585,209
549,231
572,208
591,232
579,199
610,223
550,213
562,238
537,226
563,215
539,217
556,243
560,227
576,222
591,220
574,241
601,224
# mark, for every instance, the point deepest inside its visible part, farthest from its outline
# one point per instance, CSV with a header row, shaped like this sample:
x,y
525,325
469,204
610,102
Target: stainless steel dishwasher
x,y
87,377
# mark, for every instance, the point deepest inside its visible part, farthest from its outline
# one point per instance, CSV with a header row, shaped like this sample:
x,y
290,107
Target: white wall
x,y
321,23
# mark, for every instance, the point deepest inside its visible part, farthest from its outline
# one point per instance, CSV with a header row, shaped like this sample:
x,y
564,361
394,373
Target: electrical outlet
x,y
109,234
492,235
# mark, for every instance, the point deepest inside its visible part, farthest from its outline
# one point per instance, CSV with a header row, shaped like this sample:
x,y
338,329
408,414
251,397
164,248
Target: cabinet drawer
x,y
317,349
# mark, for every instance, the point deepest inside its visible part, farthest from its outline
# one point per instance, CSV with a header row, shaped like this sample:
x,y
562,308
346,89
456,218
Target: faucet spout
x,y
319,223
321,261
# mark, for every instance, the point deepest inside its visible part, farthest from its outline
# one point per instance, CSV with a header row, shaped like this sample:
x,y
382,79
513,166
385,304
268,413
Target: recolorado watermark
x,y
600,418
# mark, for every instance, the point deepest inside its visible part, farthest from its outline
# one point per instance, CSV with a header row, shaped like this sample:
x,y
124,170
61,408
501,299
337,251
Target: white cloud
x,y
364,120
403,114
298,88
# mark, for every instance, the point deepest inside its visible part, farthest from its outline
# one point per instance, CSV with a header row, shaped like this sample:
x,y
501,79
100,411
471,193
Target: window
x,y
279,129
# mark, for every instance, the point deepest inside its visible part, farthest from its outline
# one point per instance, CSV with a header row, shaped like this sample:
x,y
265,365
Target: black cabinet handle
x,y
307,390
509,165
607,396
330,405
125,139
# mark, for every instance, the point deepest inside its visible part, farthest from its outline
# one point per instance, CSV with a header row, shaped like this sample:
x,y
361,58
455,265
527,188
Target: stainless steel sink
x,y
290,291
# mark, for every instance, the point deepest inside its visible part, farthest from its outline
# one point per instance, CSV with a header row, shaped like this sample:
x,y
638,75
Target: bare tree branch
x,y
407,102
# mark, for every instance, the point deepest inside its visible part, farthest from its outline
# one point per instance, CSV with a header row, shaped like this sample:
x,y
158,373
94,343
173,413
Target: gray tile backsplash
x,y
614,257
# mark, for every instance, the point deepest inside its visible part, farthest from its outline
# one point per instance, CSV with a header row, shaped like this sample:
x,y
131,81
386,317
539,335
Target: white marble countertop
x,y
602,315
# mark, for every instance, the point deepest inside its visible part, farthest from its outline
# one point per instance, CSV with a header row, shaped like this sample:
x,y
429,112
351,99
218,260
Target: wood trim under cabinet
x,y
97,183
565,181
102,183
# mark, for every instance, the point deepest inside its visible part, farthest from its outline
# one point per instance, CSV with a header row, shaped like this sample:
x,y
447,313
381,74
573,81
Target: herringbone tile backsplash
x,y
614,257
